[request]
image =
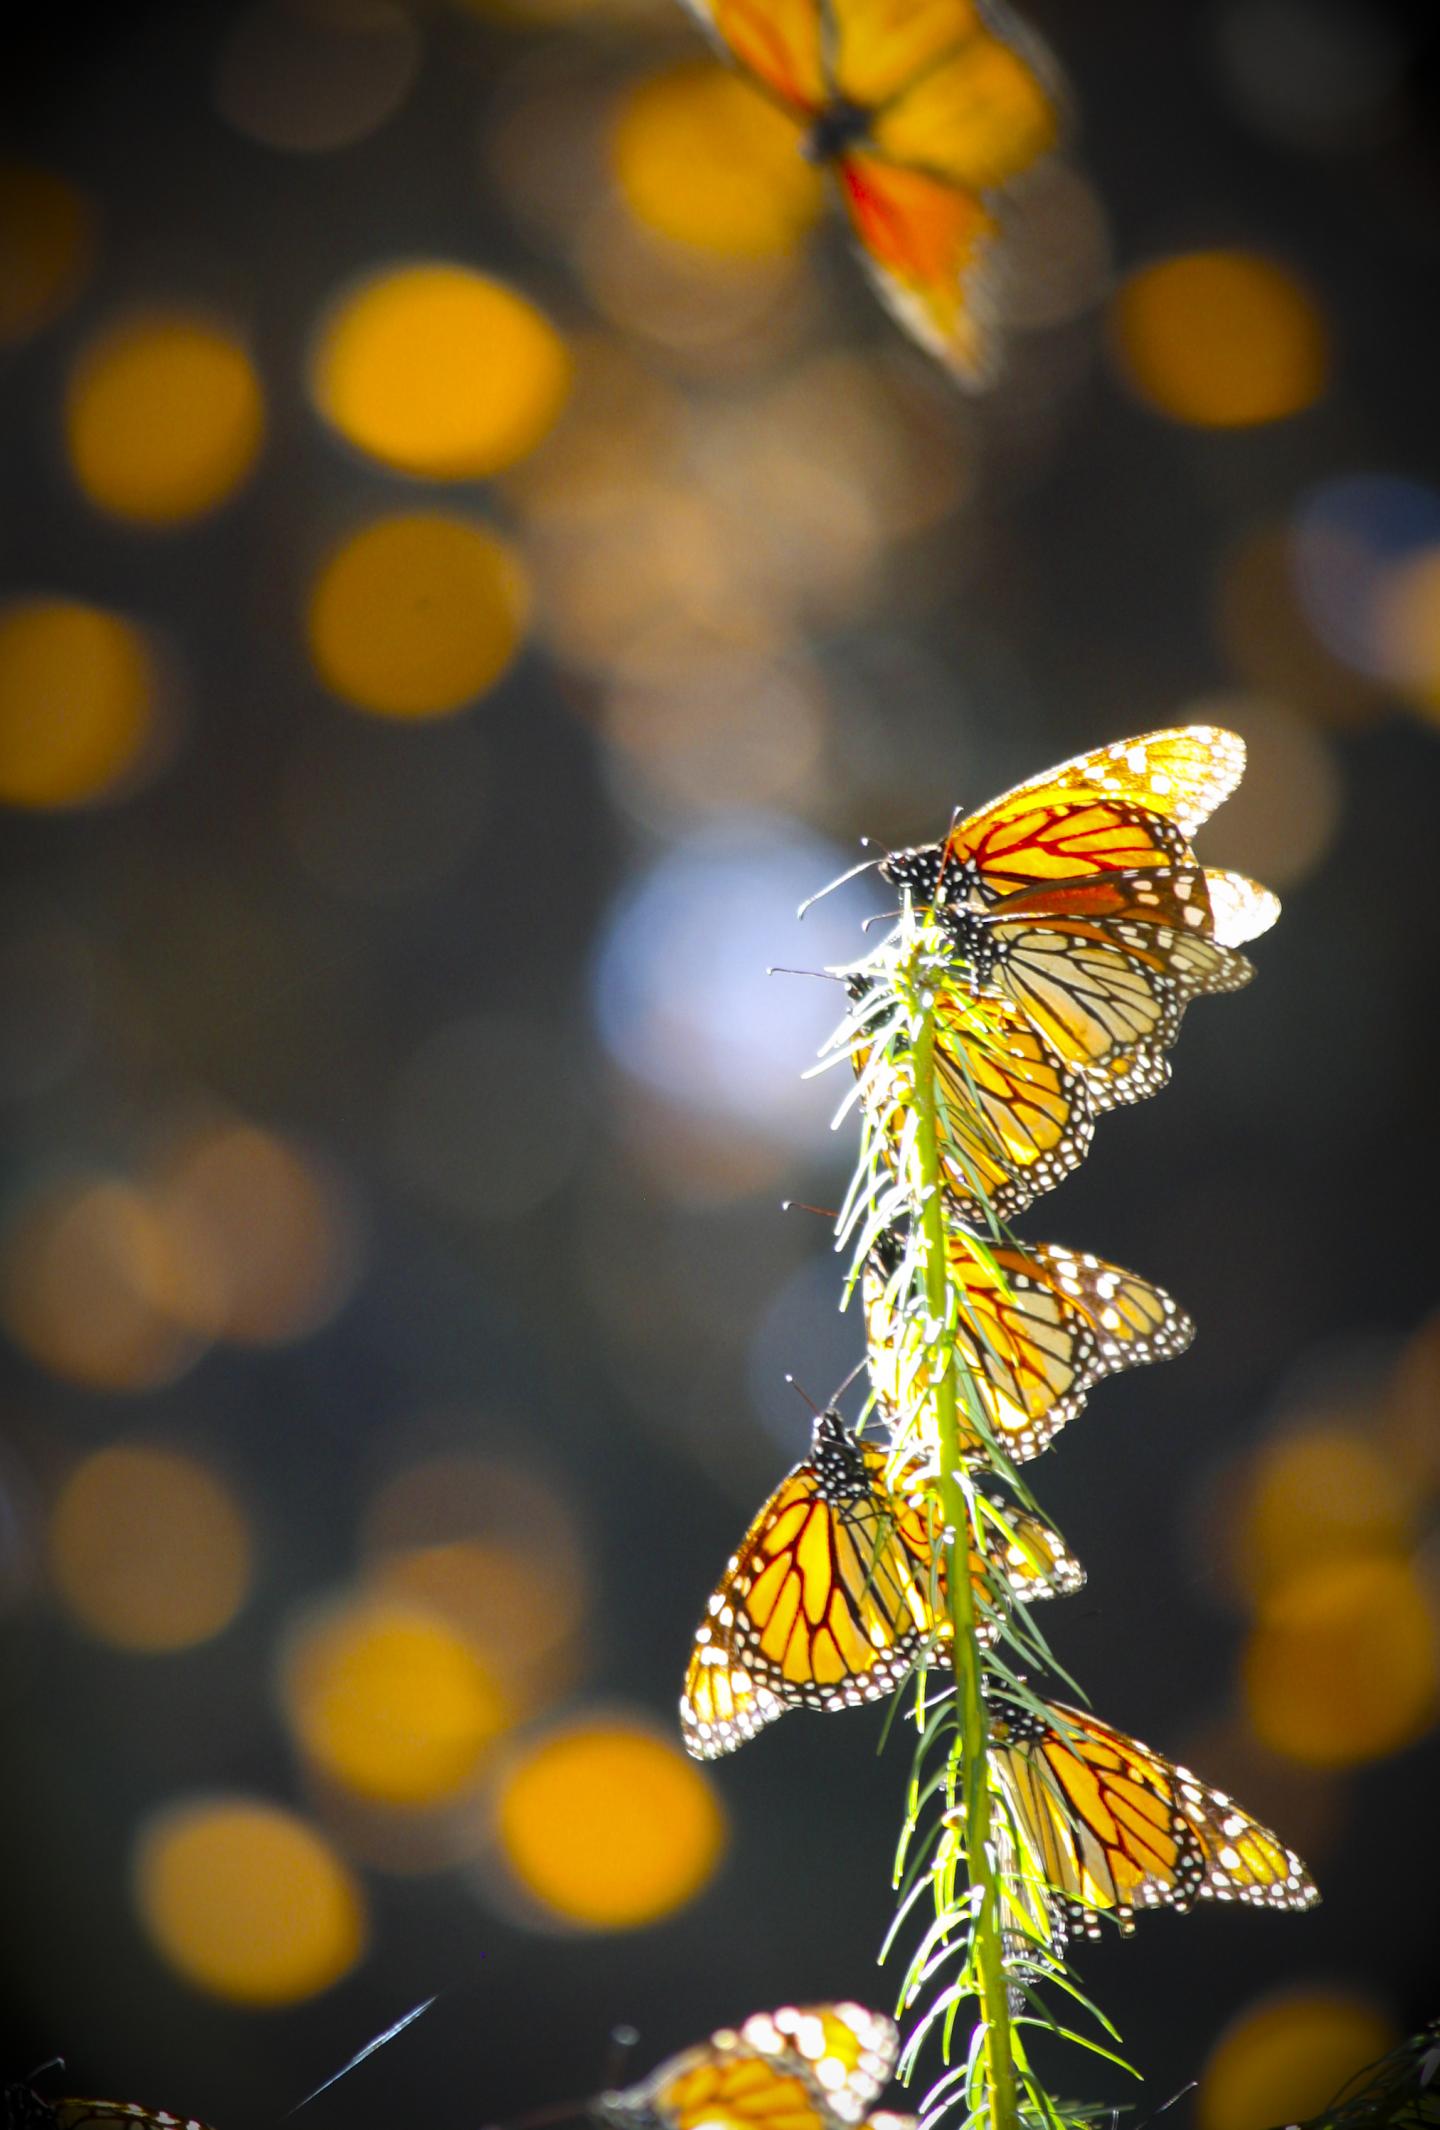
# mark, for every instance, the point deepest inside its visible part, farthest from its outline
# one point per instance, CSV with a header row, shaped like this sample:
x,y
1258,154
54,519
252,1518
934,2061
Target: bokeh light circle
x,y
148,1549
164,417
703,159
1284,2059
1314,1495
78,693
308,76
47,242
247,1901
96,1287
417,614
608,1826
1221,339
1343,1664
439,371
391,1701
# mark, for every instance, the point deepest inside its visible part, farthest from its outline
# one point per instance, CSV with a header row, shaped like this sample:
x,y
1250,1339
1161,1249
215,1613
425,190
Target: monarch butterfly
x,y
1077,896
926,112
803,2067
836,1590
1113,1827
1013,1119
1136,802
25,2109
1038,1327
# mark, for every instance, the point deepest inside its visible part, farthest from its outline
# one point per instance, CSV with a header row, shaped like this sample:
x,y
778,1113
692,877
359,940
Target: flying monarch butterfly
x,y
1013,1118
22,2108
1112,1827
1039,1325
837,1590
803,2067
926,112
1077,896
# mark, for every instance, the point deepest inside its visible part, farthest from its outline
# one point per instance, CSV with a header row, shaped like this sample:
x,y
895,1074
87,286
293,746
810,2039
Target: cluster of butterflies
x,y
930,113
1081,925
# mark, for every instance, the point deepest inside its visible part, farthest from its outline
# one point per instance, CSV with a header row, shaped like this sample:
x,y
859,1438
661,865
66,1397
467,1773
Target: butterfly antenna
x,y
799,1205
398,2027
51,2063
800,1389
866,865
834,1402
829,976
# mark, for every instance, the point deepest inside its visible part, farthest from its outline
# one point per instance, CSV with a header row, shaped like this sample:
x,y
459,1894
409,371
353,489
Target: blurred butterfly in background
x,y
1039,1326
1077,897
926,111
806,2067
835,1593
1112,1827
22,2108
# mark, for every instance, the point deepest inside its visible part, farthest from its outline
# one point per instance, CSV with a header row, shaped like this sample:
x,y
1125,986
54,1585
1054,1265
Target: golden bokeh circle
x,y
96,1287
439,371
247,1901
607,1826
78,694
148,1549
391,1701
1343,1663
164,417
1285,2058
47,243
417,614
702,159
1221,339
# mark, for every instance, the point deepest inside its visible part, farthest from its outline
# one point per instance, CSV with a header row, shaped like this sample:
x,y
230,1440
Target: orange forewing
x,y
780,42
981,118
924,244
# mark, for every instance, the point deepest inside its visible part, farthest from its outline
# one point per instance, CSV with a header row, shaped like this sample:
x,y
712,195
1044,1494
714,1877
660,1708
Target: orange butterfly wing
x,y
836,1591
1040,1327
779,42
1113,1827
766,2075
924,244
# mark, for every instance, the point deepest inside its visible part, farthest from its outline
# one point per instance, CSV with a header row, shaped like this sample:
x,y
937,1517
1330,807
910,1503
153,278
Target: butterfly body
x,y
835,129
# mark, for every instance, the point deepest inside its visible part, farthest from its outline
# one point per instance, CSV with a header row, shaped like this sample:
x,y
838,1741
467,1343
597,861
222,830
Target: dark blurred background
x,y
474,556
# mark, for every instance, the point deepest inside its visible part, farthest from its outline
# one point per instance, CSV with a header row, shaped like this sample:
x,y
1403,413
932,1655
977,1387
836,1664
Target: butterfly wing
x,y
1182,773
1097,989
978,114
1133,803
1240,909
924,244
1014,1119
1040,1327
1114,1827
767,2074
779,42
827,1602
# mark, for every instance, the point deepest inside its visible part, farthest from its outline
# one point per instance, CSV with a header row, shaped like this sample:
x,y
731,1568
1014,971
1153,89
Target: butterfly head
x,y
918,870
840,125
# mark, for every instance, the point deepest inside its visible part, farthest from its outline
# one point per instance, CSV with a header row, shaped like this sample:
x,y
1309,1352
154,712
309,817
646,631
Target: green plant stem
x,y
965,1648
